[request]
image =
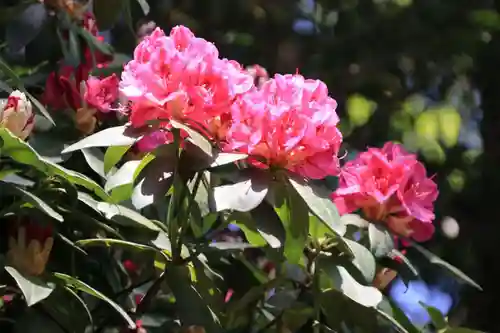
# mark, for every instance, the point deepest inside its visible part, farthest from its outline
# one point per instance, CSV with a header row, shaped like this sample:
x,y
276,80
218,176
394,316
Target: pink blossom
x,y
181,76
289,123
102,93
391,186
151,141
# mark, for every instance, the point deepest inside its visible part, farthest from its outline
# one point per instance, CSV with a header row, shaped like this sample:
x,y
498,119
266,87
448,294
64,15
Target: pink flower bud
x,y
17,115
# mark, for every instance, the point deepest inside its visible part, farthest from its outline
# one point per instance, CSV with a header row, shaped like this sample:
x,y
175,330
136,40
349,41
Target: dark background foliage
x,y
385,53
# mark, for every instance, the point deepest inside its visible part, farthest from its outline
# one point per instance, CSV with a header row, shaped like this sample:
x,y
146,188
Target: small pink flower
x,y
259,74
151,141
289,123
102,93
390,186
181,77
17,115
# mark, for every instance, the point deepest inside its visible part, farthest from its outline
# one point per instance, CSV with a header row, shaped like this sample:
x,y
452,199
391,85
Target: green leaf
x,y
120,214
381,240
144,6
111,242
113,136
196,138
340,279
355,220
434,259
318,200
294,215
460,330
35,201
74,283
113,155
74,48
225,158
242,196
225,246
23,153
94,43
153,182
95,159
123,176
259,229
107,12
437,317
33,288
363,259
191,307
4,68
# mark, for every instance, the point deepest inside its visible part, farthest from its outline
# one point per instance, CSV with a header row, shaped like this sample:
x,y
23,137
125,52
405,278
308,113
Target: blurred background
x,y
424,73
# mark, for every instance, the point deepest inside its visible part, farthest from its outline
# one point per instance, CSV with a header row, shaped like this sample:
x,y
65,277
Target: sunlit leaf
x,y
33,288
113,136
318,200
381,240
242,196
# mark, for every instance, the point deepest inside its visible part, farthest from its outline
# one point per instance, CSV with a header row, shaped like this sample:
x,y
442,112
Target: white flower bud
x,y
17,115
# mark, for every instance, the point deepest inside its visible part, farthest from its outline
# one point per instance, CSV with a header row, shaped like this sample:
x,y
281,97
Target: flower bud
x,y
30,244
17,115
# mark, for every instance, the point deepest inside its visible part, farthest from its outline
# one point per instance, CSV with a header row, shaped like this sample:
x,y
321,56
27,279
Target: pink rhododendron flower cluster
x,y
291,123
182,77
102,93
288,121
389,185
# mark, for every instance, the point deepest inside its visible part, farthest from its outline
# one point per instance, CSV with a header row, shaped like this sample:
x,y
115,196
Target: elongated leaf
x,y
113,155
191,307
153,182
381,241
113,136
23,153
340,279
224,246
36,201
34,289
74,283
225,158
319,202
260,228
242,196
461,330
363,259
294,215
144,6
120,214
95,159
110,242
125,175
437,317
196,138
440,262
17,81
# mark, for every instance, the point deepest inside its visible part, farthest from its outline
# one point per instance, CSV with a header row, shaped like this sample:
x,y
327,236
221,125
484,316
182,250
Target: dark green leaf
x,y
107,12
461,330
36,201
73,48
437,317
440,262
259,230
115,66
318,200
110,242
4,68
113,136
23,153
33,288
191,307
94,43
74,283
